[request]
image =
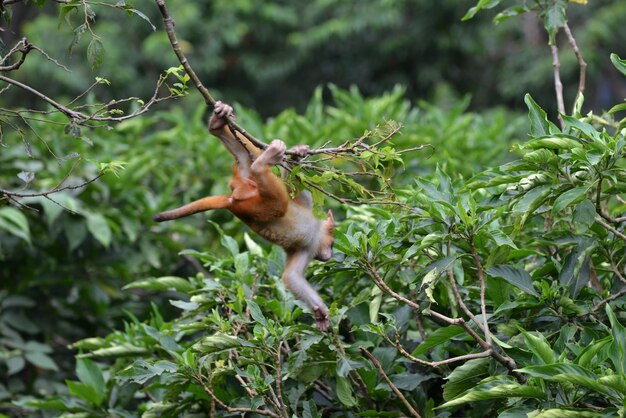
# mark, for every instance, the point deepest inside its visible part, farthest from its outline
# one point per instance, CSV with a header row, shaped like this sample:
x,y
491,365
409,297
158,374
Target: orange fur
x,y
261,200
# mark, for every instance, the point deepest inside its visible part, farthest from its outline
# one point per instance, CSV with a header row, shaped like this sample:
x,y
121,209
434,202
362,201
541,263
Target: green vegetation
x,y
487,278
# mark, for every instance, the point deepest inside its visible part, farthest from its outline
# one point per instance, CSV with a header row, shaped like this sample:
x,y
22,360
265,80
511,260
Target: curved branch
x,y
209,100
22,46
393,387
582,65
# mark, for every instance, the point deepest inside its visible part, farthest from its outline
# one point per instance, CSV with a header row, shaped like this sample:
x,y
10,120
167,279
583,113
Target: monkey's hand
x,y
321,317
221,111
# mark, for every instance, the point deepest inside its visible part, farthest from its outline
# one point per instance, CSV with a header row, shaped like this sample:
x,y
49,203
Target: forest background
x,y
489,261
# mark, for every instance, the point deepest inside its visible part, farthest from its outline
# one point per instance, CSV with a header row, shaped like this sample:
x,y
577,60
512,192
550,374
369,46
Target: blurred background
x,y
272,55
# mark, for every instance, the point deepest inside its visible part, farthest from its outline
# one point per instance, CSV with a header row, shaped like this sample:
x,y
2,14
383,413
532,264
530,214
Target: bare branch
x,y
279,378
558,85
618,234
393,387
483,287
582,65
373,273
206,386
409,356
209,100
24,47
609,299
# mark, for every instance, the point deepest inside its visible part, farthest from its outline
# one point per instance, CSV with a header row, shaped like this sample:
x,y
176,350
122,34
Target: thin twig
x,y
209,100
558,86
483,288
373,273
24,47
599,210
409,356
582,65
393,387
610,228
279,378
609,299
457,294
209,391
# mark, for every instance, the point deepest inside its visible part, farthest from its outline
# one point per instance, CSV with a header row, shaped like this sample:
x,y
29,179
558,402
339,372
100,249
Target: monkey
x,y
261,200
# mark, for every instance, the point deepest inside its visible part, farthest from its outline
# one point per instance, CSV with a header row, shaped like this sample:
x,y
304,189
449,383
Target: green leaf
x,y
78,34
344,392
121,350
83,391
548,371
570,197
618,347
41,360
554,19
576,266
142,371
99,228
539,125
619,63
566,413
95,53
143,16
256,314
162,284
15,223
497,389
517,276
554,142
584,216
591,351
481,4
540,347
90,374
220,341
437,337
15,365
465,377
501,239
566,373
584,127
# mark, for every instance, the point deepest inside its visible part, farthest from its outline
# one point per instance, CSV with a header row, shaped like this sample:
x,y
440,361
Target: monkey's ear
x,y
329,223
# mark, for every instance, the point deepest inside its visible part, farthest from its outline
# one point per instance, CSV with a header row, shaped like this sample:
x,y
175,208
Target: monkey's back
x,y
297,229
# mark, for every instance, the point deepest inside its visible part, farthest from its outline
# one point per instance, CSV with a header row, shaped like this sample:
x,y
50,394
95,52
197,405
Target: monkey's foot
x,y
321,318
274,152
299,151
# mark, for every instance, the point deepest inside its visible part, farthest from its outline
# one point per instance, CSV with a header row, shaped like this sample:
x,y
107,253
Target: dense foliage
x,y
478,282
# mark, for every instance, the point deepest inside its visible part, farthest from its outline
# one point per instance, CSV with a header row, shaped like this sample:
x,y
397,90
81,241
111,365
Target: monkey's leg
x,y
201,205
302,290
271,189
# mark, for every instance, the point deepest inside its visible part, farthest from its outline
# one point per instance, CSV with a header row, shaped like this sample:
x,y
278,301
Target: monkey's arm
x,y
201,205
240,147
297,284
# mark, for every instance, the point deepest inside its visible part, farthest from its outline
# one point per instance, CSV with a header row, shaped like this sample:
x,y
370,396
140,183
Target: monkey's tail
x,y
201,205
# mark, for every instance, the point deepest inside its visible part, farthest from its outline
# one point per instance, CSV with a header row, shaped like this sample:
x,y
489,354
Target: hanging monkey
x,y
261,200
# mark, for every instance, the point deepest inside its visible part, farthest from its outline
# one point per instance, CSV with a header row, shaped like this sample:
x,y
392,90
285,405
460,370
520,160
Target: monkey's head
x,y
325,251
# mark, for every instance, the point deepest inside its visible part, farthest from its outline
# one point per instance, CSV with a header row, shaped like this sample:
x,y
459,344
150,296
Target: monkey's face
x,y
326,248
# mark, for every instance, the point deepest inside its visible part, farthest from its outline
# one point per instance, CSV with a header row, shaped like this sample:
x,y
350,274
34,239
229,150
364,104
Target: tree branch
x,y
393,387
581,62
209,100
558,86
